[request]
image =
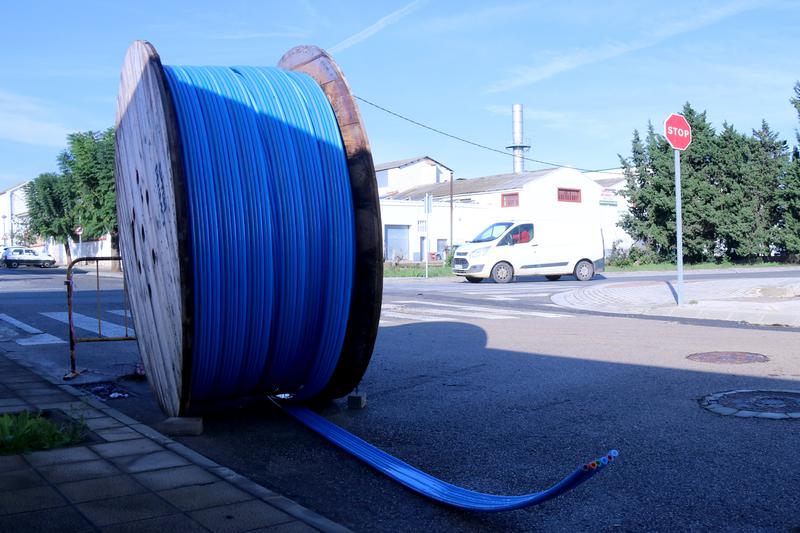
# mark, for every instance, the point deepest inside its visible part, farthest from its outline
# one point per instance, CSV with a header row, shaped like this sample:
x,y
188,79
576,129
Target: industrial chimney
x,y
518,148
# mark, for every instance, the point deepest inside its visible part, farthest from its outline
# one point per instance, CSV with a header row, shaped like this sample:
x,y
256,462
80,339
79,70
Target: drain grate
x,y
773,404
731,358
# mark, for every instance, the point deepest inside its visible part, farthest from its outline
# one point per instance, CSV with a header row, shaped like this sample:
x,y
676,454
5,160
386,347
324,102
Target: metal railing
x,y
73,338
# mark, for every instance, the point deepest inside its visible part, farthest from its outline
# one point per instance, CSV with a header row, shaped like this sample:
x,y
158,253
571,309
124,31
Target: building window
x,y
510,200
569,195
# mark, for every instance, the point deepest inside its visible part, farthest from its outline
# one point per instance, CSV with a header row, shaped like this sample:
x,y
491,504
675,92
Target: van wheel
x,y
553,277
584,270
473,279
502,272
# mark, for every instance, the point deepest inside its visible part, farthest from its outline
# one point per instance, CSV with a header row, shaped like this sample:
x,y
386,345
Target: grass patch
x,y
697,266
26,432
415,271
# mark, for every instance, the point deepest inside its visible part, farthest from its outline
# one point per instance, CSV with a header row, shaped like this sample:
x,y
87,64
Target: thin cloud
x,y
309,8
523,76
480,17
25,120
251,35
541,117
369,31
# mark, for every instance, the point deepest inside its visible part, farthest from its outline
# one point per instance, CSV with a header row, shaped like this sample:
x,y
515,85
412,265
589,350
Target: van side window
x,y
519,235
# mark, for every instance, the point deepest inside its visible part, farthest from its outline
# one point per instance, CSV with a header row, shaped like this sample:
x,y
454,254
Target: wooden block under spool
x,y
153,221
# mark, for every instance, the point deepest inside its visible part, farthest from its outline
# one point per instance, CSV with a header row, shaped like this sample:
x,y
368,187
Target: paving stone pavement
x,y
131,479
764,301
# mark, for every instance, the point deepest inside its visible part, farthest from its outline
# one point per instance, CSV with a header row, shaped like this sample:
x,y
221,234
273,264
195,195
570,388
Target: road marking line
x,y
43,338
462,312
492,310
6,289
90,324
404,316
21,325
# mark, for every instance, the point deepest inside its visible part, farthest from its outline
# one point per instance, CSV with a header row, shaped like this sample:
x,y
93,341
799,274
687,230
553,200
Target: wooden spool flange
x,y
365,306
154,223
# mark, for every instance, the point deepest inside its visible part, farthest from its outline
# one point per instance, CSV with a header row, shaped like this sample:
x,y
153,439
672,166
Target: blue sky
x,y
588,73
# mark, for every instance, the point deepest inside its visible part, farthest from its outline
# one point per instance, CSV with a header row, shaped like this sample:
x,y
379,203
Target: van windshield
x,y
492,232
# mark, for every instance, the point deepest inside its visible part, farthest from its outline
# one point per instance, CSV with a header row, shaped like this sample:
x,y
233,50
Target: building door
x,y
396,238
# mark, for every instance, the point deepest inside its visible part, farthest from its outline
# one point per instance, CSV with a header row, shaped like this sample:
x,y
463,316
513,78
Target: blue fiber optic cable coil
x,y
273,240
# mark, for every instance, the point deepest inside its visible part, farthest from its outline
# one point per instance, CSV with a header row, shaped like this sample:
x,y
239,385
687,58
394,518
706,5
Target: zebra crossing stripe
x,y
492,310
17,324
90,324
42,338
441,314
405,316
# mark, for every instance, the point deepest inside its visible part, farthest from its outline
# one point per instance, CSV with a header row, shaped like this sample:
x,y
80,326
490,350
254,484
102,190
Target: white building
x,y
406,226
614,206
406,173
13,209
478,202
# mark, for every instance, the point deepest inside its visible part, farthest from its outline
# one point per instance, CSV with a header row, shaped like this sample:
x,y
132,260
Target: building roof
x,y
608,182
405,162
499,182
15,187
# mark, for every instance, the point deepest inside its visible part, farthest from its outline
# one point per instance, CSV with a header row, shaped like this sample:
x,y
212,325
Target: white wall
x,y
539,199
468,220
13,204
613,207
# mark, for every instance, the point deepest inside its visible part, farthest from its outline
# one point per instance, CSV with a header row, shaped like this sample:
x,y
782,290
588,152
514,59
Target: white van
x,y
532,248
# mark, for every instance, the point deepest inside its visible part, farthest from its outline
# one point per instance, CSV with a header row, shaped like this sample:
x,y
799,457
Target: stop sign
x,y
678,131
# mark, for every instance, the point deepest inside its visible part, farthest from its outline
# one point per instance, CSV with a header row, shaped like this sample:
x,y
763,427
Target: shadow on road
x,y
511,422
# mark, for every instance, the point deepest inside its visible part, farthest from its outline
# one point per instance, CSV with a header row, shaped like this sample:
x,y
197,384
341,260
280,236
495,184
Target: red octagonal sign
x,y
678,131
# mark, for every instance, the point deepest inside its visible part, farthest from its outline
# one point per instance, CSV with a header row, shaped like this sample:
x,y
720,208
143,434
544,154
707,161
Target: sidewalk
x,y
765,301
131,478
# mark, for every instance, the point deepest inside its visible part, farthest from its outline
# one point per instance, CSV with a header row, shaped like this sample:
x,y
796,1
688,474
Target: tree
x,y
788,202
741,198
651,192
700,218
89,162
51,200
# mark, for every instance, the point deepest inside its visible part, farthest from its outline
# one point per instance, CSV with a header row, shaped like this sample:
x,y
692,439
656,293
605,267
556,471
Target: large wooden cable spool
x,y
154,221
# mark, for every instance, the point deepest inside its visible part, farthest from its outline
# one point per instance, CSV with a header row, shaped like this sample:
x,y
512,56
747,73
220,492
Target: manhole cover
x,y
732,358
774,404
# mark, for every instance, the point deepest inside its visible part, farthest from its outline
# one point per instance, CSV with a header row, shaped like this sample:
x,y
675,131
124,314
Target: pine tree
x,y
788,204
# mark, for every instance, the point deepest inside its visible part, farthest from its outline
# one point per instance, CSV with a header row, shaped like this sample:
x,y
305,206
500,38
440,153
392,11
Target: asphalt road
x,y
494,388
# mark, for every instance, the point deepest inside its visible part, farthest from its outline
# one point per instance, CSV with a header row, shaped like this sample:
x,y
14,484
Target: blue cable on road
x,y
432,487
264,183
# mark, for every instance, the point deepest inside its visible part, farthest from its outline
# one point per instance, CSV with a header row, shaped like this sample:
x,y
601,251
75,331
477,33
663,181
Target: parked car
x,y
14,256
547,248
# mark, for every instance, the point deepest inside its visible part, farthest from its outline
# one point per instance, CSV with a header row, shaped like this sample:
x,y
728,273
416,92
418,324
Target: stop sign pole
x,y
679,135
